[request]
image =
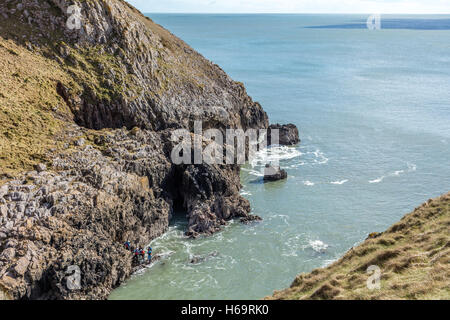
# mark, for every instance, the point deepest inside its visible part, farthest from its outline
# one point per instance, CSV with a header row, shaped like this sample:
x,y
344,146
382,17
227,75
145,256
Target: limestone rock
x,y
41,167
22,266
288,134
8,254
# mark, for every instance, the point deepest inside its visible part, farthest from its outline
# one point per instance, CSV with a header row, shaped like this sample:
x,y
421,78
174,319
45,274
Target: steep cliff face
x,y
131,71
97,106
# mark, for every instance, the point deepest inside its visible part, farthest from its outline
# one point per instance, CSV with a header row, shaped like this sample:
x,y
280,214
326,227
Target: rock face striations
x,y
86,120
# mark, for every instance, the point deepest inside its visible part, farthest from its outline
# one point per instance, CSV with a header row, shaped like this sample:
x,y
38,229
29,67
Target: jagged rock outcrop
x,y
140,74
209,196
287,134
122,85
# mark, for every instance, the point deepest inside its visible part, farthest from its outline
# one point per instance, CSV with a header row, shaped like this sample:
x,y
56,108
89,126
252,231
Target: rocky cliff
x,y
86,117
412,257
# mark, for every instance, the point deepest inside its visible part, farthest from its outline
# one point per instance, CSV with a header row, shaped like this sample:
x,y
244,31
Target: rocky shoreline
x,y
121,84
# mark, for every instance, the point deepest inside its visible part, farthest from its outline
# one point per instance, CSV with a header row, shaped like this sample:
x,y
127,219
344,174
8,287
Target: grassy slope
x,y
32,114
413,255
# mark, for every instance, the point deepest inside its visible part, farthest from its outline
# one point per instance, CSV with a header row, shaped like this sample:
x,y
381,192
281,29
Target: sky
x,y
294,6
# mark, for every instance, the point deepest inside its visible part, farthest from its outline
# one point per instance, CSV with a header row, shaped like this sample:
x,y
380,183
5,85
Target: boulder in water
x,y
287,133
200,259
272,173
250,218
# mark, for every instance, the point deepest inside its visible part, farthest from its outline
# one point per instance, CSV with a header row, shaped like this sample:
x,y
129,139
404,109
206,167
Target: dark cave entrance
x,y
179,210
179,218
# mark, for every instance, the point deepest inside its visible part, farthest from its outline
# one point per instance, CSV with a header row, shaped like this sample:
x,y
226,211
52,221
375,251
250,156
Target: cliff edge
x,y
413,257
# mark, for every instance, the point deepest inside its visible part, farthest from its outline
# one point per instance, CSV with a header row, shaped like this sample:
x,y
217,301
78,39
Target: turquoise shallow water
x,y
373,109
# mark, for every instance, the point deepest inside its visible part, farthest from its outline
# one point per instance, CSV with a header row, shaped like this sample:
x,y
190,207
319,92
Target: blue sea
x,y
373,110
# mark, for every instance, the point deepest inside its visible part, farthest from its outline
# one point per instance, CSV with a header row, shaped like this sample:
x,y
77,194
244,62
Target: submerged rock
x,y
250,218
200,259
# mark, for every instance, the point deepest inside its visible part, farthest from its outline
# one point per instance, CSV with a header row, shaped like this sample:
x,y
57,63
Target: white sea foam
x,y
166,254
318,246
378,180
277,217
319,157
273,154
398,172
284,156
339,182
292,246
253,172
308,183
328,262
296,165
411,168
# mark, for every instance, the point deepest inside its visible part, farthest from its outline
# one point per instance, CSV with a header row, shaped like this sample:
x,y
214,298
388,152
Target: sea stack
x,y
272,173
287,133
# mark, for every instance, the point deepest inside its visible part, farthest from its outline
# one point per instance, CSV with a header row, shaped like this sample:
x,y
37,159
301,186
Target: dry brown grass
x,y
413,255
32,113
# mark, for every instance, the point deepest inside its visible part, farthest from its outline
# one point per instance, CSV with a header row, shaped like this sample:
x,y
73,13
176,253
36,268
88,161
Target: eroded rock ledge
x,y
90,202
109,177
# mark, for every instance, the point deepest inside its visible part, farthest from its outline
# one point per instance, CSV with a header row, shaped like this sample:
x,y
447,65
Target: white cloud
x,y
294,6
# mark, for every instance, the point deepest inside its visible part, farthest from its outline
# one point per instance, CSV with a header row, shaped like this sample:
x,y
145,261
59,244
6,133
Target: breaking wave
x,y
252,172
339,182
378,180
319,157
411,167
274,154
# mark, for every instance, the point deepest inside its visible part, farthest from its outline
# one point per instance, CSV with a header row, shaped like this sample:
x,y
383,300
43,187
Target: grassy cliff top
x,y
413,255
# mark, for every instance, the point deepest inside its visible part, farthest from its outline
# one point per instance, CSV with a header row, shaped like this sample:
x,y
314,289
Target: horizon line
x,y
300,13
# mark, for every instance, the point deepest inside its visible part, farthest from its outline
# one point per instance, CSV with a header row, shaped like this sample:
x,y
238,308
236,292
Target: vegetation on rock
x,y
413,255
86,117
